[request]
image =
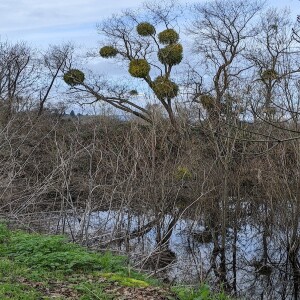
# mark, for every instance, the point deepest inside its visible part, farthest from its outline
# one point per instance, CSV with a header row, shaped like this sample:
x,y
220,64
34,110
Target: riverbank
x,y
35,266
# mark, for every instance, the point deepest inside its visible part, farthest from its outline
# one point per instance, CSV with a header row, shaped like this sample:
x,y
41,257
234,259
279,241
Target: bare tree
x,y
54,62
17,76
274,55
222,31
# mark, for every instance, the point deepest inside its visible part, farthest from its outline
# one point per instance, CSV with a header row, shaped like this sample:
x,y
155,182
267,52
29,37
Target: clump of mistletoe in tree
x,y
150,52
168,50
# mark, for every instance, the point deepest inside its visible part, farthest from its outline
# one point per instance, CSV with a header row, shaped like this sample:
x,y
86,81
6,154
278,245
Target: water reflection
x,y
261,273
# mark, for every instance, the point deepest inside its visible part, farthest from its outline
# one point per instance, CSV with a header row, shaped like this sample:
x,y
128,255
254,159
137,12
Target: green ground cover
x,y
35,266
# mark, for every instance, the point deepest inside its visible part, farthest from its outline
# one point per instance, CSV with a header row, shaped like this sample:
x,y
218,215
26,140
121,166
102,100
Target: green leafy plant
x,y
18,291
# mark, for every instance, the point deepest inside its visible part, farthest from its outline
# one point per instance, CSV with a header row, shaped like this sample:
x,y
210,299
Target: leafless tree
x,y
17,76
53,63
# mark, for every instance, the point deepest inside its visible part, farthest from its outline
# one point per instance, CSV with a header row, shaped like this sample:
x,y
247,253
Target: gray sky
x,y
47,22
43,22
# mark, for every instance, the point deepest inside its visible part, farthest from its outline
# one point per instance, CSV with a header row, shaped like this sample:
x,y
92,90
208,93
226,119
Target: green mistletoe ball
x,y
168,36
108,52
164,88
207,101
269,74
74,77
139,68
145,29
171,54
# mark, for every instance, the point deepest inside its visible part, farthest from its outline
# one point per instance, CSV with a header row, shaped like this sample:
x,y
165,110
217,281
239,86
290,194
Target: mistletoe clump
x,y
139,68
168,36
145,29
183,173
171,54
164,88
74,77
207,101
133,93
269,74
108,51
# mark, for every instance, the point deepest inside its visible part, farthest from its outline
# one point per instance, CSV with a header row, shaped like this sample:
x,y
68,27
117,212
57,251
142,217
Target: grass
x,y
34,266
202,293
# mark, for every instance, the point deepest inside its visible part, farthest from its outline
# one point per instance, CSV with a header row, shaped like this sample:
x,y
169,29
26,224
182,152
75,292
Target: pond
x,y
187,254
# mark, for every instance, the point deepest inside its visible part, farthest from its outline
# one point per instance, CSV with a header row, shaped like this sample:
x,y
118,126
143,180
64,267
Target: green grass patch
x,y
202,293
54,253
17,291
35,267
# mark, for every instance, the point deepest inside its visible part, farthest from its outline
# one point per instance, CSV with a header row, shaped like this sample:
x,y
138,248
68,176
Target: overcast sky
x,y
46,22
43,22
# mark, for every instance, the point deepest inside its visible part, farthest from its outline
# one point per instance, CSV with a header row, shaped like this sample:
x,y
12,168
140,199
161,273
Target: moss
x,y
145,29
171,54
108,51
74,77
125,281
164,88
168,36
139,68
269,74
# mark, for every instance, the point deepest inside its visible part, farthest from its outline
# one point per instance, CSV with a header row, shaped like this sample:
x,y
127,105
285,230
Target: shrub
x,y
108,51
145,29
164,88
74,77
139,68
168,36
171,54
